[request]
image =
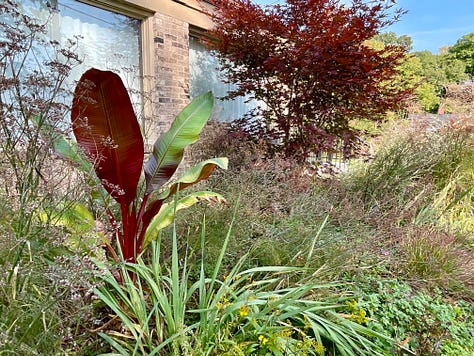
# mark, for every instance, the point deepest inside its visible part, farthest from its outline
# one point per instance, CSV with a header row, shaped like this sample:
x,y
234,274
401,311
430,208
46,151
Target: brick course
x,y
170,91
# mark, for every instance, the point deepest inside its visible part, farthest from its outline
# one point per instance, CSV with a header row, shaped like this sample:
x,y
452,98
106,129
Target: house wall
x,y
170,80
189,11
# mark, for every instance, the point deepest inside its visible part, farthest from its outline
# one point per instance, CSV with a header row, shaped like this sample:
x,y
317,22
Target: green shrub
x,y
425,323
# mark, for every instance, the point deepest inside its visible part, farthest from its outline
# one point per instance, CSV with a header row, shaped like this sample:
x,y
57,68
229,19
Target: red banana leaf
x,y
107,129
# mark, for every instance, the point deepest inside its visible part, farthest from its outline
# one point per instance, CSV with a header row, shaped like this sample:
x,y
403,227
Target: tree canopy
x,y
311,64
463,50
391,38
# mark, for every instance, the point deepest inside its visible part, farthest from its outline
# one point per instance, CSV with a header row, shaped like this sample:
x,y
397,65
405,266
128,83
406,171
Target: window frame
x,y
124,8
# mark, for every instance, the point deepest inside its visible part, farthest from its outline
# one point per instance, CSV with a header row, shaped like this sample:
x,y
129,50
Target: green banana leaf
x,y
169,148
67,149
194,175
80,223
167,212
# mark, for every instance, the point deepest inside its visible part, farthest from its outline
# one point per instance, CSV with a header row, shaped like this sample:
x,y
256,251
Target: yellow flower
x,y
307,323
244,311
263,340
360,317
352,305
223,303
319,348
285,333
357,314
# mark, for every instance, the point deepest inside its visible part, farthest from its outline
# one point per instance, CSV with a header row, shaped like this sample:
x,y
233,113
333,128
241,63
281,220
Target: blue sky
x,y
431,24
435,23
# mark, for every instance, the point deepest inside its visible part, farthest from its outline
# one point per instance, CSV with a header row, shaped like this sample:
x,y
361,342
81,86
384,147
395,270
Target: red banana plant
x,y
107,130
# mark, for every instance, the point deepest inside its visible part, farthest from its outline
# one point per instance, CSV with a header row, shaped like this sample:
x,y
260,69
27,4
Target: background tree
x,y
391,38
409,71
463,50
310,63
440,77
438,71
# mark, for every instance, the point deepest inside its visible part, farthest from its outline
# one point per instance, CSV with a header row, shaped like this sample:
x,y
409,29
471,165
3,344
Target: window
x,y
204,75
105,39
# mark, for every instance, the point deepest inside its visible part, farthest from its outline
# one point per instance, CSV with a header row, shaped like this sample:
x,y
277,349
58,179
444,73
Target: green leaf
x,y
75,217
114,344
107,129
69,150
167,212
169,148
194,175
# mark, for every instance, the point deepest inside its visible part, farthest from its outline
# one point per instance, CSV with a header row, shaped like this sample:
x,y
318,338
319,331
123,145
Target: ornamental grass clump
x,y
418,193
411,156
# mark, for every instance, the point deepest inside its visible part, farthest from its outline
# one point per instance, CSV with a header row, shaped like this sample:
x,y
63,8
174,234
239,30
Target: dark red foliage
x,y
106,128
310,62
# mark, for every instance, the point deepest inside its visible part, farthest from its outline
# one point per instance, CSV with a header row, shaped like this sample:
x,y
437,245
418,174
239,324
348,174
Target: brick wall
x,y
170,89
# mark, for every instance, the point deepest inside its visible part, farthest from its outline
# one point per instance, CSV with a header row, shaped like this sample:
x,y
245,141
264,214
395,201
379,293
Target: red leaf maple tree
x,y
310,62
